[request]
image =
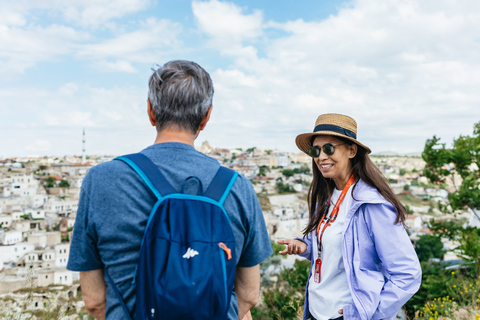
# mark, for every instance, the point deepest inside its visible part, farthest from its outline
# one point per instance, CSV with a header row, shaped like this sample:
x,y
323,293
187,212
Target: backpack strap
x,y
148,171
117,293
221,184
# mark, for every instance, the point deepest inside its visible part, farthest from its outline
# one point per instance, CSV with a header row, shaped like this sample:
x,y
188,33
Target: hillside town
x,y
39,196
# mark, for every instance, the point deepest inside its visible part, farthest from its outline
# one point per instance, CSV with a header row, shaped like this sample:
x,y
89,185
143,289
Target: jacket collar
x,y
363,193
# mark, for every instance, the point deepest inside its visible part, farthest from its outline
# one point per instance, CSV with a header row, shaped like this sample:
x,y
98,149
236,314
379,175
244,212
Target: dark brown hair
x,y
362,168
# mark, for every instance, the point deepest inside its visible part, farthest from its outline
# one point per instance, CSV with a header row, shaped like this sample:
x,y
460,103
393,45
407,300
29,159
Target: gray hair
x,y
180,93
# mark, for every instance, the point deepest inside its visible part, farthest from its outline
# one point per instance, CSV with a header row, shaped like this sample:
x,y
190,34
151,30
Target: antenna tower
x,y
83,147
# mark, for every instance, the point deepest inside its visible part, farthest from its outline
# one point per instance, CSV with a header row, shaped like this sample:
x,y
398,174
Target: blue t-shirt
x,y
113,210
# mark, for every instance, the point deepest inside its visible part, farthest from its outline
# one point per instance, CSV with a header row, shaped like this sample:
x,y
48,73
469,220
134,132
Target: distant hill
x,y
396,154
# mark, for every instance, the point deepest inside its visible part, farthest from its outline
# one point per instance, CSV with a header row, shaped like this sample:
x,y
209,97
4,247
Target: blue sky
x,y
405,70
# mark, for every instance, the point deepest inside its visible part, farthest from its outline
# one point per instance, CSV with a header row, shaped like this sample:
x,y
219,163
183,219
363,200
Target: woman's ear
x,y
353,151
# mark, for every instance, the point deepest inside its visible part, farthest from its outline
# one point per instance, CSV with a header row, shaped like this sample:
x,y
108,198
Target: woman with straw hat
x,y
363,265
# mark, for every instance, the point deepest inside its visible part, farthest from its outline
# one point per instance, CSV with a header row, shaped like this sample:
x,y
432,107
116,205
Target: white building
x,y
16,215
23,185
58,206
62,251
414,222
15,251
35,213
58,276
22,225
5,220
38,200
48,258
282,160
12,237
38,239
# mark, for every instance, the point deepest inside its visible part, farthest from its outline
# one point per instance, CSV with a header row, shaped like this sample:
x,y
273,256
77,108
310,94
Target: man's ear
x,y
205,119
353,151
151,114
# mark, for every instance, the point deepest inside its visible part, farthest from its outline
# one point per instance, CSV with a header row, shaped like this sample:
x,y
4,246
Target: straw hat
x,y
330,124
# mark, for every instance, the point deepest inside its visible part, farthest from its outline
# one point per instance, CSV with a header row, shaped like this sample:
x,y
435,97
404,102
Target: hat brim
x,y
304,140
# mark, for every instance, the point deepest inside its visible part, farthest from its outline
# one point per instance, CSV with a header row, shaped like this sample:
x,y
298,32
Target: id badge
x,y
318,269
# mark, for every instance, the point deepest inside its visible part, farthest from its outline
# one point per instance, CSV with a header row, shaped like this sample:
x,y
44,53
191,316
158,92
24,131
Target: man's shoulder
x,y
107,169
243,184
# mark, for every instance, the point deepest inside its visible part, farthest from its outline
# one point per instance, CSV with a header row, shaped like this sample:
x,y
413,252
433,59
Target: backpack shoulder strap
x,y
117,293
221,184
148,171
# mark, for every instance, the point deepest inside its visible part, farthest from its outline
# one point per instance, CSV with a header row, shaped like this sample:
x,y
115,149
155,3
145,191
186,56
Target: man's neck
x,y
171,135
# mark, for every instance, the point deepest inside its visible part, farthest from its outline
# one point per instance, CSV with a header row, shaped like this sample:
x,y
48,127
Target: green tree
x,y
303,169
285,300
288,172
442,163
402,171
64,184
463,160
284,188
263,171
50,182
429,246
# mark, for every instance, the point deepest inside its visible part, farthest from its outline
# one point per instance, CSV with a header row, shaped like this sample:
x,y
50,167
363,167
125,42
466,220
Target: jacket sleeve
x,y
399,260
308,241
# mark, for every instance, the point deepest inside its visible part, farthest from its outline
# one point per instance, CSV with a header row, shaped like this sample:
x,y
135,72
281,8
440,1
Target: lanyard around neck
x,y
334,214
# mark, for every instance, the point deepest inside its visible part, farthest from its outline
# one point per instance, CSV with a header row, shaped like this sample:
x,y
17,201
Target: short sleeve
x,y
84,255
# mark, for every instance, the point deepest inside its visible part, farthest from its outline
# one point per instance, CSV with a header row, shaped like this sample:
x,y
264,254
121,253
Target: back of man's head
x,y
180,93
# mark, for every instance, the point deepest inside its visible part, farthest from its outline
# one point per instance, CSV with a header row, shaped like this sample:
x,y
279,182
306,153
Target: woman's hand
x,y
293,247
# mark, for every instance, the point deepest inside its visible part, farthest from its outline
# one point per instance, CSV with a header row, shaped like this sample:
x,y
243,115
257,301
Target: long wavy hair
x,y
362,168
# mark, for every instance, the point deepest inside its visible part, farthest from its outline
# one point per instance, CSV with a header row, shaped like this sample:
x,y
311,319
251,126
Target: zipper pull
x,y
225,248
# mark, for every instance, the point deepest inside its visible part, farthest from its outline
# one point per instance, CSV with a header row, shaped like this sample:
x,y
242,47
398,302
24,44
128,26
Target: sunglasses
x,y
328,148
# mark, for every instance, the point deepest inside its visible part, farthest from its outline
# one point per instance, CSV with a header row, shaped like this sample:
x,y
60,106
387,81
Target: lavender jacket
x,y
382,267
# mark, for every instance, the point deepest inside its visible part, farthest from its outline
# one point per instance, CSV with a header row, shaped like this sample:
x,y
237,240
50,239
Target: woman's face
x,y
338,165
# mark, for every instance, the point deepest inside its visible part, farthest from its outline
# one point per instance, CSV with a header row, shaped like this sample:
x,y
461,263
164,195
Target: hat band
x,y
337,129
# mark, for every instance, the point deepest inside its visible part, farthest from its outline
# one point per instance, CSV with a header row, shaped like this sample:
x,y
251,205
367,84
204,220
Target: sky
x,y
405,70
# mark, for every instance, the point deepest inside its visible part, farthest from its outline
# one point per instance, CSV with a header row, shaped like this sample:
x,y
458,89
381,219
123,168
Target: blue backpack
x,y
186,268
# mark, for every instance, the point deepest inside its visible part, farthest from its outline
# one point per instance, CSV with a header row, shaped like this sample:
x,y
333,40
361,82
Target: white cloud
x,y
404,70
59,116
26,40
117,66
85,13
96,12
153,38
226,23
74,105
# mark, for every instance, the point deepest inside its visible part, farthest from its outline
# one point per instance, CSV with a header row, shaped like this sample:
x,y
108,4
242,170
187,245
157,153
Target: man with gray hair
x,y
115,203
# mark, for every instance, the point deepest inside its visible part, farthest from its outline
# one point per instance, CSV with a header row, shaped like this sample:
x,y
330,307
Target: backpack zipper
x,y
224,251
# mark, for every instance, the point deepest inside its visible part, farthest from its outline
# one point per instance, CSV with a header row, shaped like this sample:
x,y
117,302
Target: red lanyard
x,y
333,216
331,219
